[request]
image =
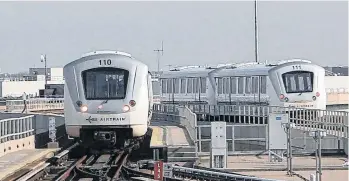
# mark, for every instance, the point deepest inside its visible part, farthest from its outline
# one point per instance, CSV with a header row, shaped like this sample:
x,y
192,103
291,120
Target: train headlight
x,y
286,99
314,98
132,103
126,108
282,96
83,108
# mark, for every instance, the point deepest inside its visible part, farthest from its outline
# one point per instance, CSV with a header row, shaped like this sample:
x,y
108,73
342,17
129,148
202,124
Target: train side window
x,y
163,86
263,82
189,85
227,85
248,85
241,85
255,85
169,85
233,85
183,85
220,86
224,85
176,86
203,85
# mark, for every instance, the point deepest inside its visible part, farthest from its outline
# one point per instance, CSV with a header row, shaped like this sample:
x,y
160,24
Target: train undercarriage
x,y
108,140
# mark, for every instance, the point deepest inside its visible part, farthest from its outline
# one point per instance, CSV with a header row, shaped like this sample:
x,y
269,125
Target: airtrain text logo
x,y
90,119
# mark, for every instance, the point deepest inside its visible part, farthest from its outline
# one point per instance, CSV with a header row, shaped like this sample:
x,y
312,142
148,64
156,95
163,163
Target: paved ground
x,y
176,136
304,166
327,175
15,161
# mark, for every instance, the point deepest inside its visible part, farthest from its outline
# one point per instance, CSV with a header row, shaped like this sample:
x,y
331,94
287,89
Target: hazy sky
x,y
193,32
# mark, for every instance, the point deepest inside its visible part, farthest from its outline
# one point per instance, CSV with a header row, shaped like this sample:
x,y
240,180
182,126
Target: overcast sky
x,y
193,32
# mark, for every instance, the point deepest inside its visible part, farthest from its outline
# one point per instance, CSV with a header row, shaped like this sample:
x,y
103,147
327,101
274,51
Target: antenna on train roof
x,y
158,54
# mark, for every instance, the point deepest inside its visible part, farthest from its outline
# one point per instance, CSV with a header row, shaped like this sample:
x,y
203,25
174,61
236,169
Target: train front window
x,y
105,83
298,81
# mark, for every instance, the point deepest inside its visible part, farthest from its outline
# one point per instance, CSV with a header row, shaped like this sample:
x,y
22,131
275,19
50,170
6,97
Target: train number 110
x,y
105,62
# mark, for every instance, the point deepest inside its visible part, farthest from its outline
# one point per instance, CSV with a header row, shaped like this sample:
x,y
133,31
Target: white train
x,y
287,83
108,98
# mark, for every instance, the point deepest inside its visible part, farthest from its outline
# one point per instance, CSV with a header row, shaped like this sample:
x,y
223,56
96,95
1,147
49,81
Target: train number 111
x,y
105,62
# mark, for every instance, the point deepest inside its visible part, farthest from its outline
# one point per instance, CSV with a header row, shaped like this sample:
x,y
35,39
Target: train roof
x,y
234,69
103,53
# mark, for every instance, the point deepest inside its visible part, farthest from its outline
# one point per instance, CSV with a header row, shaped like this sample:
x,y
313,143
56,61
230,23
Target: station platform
x,y
168,134
180,147
19,162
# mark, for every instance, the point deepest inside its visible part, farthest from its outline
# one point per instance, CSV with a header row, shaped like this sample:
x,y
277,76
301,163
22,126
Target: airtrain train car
x,y
107,99
288,83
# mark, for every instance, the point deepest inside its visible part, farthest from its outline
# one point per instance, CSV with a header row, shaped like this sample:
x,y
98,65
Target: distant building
x,y
340,70
13,85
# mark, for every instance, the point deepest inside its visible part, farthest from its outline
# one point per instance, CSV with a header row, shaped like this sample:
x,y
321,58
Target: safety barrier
x,y
36,104
16,134
16,128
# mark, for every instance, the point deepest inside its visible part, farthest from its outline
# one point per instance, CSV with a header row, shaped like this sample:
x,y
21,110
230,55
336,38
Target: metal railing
x,y
180,115
249,133
16,128
31,78
241,139
35,104
334,122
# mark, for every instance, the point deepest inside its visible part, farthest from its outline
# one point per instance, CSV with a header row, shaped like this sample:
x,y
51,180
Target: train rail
x,y
116,165
104,166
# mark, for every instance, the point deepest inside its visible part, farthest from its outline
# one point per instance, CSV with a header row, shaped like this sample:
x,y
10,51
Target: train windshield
x,y
298,81
105,83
